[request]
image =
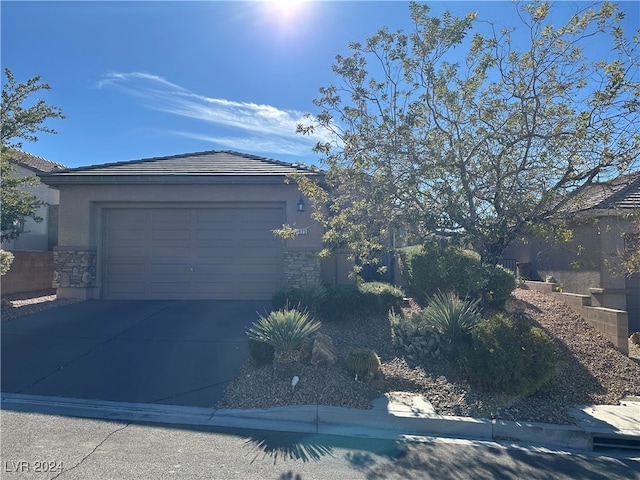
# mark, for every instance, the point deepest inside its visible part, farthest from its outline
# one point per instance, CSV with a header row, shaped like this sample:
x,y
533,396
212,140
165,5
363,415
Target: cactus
x,y
419,342
363,362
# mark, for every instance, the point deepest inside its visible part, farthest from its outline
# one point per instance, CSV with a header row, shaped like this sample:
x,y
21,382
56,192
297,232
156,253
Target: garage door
x,y
192,253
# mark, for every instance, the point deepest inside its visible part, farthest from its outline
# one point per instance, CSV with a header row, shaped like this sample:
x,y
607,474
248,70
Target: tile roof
x,y
215,166
32,162
620,192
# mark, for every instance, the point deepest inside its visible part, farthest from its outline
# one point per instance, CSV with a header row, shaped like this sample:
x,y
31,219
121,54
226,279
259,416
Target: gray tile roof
x,y
620,192
201,167
32,162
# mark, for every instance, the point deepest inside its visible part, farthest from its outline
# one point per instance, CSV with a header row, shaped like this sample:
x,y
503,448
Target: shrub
x,y
260,352
635,338
452,317
509,356
284,329
305,298
438,266
6,259
420,342
498,285
359,300
363,362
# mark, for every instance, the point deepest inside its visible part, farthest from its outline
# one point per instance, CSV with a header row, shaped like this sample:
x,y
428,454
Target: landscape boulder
x,y
323,352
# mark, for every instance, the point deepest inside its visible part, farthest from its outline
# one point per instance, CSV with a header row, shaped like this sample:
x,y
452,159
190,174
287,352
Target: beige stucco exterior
x,y
82,206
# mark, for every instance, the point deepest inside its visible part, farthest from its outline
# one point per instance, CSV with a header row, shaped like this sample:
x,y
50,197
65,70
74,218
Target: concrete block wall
x,y
612,323
30,271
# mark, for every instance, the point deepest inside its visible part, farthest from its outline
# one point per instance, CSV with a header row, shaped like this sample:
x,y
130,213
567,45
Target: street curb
x,y
309,419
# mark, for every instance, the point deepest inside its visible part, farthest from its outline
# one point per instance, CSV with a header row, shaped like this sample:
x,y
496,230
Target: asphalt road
x,y
76,448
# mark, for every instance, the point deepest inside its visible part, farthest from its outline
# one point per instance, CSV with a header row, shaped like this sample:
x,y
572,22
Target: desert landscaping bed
x,y
590,371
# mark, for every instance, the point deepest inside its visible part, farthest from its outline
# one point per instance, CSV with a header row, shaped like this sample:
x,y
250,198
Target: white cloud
x,y
260,127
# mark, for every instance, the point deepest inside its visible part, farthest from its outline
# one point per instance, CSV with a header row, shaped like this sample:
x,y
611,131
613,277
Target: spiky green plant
x,y
284,329
452,317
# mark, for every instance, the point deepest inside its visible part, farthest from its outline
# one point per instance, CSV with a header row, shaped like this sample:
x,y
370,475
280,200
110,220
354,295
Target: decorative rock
x,y
323,353
306,347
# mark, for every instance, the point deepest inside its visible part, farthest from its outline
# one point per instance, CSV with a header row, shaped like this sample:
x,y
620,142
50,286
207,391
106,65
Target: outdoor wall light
x,y
301,205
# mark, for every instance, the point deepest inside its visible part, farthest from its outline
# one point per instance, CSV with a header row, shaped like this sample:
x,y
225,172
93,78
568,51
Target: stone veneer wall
x,y
301,269
612,323
74,267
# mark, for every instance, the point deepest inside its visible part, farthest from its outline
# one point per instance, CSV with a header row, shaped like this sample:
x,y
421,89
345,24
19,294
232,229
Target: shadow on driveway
x,y
169,352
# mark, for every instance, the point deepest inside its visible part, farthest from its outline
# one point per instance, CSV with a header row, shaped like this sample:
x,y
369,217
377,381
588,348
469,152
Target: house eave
x,y
173,179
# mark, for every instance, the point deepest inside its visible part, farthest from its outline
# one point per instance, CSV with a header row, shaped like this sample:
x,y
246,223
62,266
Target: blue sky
x,y
145,79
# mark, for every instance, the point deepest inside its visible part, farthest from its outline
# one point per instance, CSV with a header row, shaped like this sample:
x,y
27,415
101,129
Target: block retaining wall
x,y
613,324
30,271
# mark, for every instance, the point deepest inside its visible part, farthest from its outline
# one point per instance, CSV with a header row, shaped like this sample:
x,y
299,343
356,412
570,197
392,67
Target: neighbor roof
x,y
201,167
620,192
32,162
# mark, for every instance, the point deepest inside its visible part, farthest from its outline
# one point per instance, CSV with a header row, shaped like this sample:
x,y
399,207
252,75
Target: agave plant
x,y
452,317
284,329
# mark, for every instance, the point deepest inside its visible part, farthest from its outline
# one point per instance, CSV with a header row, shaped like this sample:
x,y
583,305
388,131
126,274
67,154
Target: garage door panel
x,y
217,252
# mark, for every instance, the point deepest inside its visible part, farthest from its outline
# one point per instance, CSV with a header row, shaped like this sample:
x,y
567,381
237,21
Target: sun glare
x,y
285,8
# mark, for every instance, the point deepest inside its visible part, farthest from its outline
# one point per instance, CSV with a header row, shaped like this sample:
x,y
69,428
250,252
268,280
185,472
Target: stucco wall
x,y
30,272
81,211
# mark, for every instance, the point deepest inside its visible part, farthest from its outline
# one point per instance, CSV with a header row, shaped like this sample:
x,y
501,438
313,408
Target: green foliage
x,y
452,317
635,338
338,302
360,300
459,125
18,122
310,298
439,266
418,341
363,362
260,352
509,356
284,329
6,259
498,285
17,203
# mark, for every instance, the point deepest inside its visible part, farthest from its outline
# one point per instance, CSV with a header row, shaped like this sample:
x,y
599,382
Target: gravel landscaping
x,y
590,370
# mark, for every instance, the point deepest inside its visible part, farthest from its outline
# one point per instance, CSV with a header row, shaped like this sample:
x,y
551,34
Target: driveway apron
x,y
169,352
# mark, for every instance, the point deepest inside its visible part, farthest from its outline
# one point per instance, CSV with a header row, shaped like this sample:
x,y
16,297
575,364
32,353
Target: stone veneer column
x,y
74,267
301,269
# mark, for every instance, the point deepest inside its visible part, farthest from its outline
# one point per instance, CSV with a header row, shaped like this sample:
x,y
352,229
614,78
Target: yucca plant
x,y
284,330
452,317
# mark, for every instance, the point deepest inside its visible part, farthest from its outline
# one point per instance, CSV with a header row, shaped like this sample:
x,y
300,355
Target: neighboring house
x,y
36,236
605,226
192,226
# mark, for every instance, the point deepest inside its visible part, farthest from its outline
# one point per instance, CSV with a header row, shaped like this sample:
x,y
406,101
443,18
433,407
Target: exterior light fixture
x,y
301,205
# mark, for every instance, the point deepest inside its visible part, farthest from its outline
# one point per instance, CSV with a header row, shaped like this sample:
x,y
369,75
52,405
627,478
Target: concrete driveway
x,y
169,352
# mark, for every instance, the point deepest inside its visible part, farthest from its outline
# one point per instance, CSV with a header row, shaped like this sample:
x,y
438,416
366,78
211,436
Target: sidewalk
x,y
393,415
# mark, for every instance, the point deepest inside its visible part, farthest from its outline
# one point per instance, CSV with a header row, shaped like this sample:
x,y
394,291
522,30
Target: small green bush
x,y
509,356
419,342
284,329
364,363
439,266
6,259
309,298
498,285
360,300
260,352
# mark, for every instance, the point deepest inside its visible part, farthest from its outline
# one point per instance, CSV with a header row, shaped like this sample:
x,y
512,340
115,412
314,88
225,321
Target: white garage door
x,y
192,253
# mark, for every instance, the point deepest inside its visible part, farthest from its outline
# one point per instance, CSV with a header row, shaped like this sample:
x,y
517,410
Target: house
x,y
32,266
606,227
191,226
36,236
